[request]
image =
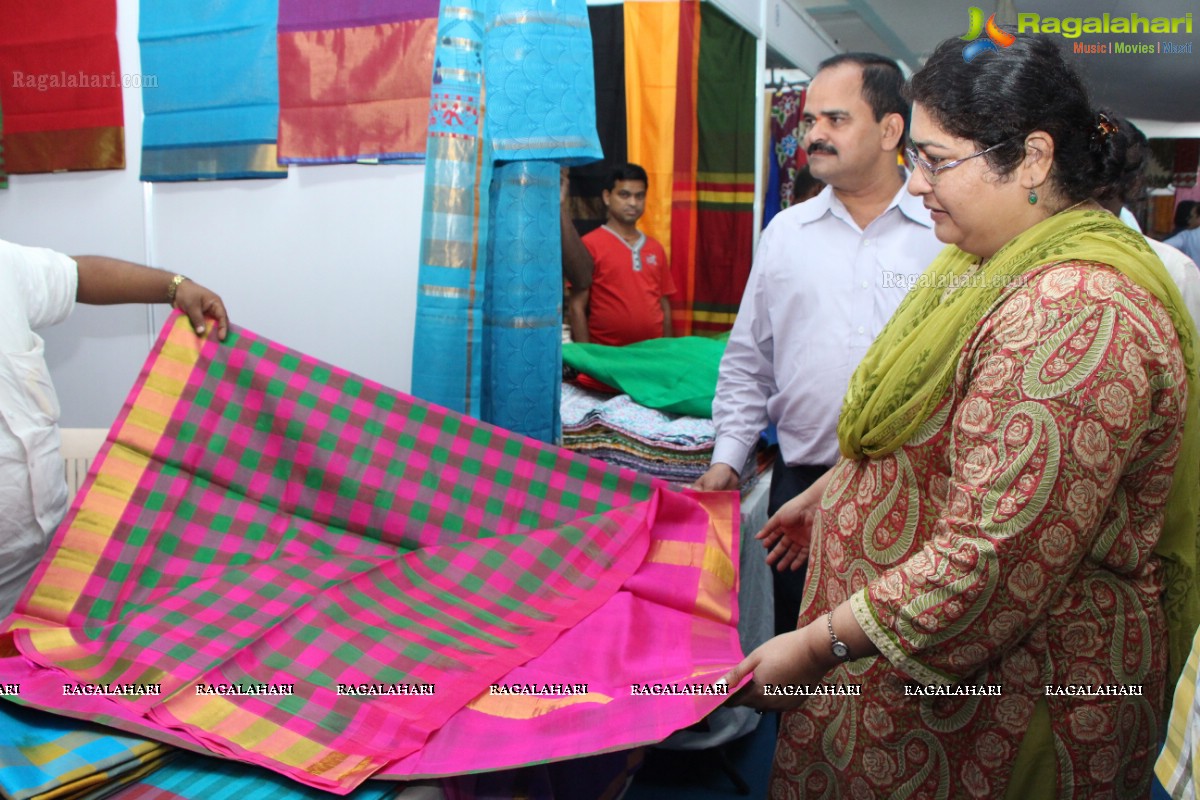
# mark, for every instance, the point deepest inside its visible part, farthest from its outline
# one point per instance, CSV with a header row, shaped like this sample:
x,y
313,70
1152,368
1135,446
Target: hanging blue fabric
x,y
513,93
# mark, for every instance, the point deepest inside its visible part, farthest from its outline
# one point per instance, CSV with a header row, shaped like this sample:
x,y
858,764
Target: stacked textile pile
x,y
619,430
660,422
277,563
44,757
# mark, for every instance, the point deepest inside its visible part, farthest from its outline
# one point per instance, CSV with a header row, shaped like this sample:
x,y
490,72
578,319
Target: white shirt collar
x,y
828,203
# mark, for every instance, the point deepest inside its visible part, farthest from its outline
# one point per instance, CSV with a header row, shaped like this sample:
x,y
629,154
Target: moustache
x,y
821,147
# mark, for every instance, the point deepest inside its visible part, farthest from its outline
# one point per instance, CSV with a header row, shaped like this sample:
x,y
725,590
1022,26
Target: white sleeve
x,y
1188,278
747,378
48,281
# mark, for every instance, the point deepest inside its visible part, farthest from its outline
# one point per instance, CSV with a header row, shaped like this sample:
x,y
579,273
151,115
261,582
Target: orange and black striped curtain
x,y
688,76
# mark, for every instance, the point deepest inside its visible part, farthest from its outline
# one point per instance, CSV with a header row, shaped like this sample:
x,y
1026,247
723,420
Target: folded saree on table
x,y
196,777
678,374
280,563
46,757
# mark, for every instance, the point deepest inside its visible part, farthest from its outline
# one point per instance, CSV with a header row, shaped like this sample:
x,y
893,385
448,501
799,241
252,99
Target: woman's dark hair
x,y
626,172
1005,94
1129,149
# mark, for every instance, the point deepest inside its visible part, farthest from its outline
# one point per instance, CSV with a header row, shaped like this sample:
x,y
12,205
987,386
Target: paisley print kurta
x,y
1008,544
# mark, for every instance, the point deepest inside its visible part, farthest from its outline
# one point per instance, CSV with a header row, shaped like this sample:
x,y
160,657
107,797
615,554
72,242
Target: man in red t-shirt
x,y
627,301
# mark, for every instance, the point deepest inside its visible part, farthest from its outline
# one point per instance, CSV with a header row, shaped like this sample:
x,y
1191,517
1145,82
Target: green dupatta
x,y
909,367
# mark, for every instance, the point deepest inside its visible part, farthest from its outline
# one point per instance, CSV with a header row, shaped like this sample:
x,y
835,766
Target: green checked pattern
x,y
293,525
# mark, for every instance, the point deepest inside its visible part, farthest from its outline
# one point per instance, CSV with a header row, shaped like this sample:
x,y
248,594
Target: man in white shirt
x,y
38,288
827,275
1188,239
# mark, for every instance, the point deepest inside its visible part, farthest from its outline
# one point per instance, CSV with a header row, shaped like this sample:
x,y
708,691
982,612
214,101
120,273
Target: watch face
x,y
841,651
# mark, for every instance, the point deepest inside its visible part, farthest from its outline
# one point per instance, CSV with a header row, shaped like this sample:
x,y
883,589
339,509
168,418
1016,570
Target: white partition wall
x,y
324,261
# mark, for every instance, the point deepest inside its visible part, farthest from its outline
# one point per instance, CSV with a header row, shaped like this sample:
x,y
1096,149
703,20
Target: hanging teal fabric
x,y
489,311
522,373
213,113
449,329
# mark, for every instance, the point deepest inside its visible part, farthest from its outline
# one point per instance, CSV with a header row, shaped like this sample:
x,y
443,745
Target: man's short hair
x,y
882,83
626,172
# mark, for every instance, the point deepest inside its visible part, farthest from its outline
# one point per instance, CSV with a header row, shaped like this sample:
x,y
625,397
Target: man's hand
x,y
197,302
105,281
788,533
718,478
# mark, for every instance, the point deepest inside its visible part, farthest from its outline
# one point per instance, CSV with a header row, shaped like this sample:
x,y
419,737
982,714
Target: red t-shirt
x,y
628,284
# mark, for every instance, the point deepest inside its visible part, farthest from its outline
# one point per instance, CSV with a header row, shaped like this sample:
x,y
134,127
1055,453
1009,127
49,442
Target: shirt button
x,y
865,284
866,242
861,329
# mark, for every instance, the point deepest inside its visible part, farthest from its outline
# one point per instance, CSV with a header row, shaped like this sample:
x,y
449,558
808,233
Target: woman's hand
x,y
786,660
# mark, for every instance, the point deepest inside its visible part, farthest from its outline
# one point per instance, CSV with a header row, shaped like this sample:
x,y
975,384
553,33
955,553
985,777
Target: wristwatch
x,y
840,651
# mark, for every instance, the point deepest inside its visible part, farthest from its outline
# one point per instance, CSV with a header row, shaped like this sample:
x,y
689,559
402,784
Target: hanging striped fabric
x,y
726,170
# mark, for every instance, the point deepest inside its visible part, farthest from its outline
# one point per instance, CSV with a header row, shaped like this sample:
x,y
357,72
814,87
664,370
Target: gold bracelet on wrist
x,y
173,288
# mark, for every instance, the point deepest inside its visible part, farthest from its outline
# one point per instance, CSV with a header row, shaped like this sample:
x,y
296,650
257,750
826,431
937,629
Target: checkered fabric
x,y
46,757
195,777
1177,769
261,520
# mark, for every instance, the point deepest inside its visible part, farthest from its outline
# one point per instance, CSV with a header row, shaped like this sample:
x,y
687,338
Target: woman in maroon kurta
x,y
1001,554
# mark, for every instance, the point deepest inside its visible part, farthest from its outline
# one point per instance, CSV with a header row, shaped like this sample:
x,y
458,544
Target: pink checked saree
x,y
326,578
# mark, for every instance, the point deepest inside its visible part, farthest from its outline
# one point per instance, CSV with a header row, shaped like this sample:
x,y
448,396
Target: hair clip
x,y
1105,126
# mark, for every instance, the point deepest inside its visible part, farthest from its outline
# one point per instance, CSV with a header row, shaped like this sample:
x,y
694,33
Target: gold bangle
x,y
173,288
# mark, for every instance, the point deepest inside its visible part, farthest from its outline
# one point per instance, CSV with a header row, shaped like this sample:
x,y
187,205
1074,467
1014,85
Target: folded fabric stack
x,y
44,757
619,430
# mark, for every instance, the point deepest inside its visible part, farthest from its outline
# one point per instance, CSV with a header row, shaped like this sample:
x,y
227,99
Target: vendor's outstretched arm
x,y
105,281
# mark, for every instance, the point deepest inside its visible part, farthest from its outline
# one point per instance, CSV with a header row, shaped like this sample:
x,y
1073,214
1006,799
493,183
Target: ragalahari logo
x,y
995,36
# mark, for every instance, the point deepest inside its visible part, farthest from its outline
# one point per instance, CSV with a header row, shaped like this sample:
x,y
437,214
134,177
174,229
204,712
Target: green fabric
x,y
908,369
723,246
677,375
1035,772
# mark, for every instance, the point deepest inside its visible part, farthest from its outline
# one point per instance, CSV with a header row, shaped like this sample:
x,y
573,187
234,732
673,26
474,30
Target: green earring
x,y
1032,197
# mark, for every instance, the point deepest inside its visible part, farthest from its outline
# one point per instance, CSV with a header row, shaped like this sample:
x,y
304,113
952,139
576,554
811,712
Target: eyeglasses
x,y
933,170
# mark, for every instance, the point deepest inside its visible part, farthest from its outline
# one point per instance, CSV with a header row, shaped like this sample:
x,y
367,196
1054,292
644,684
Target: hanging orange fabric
x,y
651,77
